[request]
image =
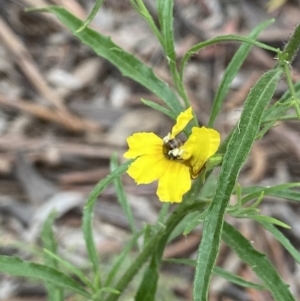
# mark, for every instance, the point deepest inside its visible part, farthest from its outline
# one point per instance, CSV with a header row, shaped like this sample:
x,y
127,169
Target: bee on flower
x,y
170,161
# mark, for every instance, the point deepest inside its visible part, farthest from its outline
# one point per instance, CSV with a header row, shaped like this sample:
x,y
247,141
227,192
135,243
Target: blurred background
x,y
64,112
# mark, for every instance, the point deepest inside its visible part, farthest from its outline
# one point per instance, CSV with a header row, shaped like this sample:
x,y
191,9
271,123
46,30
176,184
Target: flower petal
x,y
200,146
181,122
143,144
147,168
174,182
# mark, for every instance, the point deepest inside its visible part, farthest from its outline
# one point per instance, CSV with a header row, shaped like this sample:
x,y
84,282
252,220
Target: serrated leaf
x,y
237,151
258,262
18,267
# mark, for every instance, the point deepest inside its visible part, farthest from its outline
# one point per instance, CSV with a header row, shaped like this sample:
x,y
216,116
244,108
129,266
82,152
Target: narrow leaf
x,y
116,267
74,270
92,15
232,69
54,292
121,194
288,194
159,108
165,13
128,64
255,192
220,272
258,262
282,239
276,111
281,105
18,267
88,212
237,151
148,286
127,276
270,220
48,239
220,39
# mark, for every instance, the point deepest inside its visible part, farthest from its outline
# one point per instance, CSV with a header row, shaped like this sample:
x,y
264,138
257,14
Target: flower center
x,y
171,148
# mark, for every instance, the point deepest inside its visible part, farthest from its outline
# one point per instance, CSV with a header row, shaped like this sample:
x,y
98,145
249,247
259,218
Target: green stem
x,y
291,87
143,11
178,81
91,15
157,242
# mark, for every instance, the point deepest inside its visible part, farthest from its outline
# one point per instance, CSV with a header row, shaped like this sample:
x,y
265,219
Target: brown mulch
x,y
64,112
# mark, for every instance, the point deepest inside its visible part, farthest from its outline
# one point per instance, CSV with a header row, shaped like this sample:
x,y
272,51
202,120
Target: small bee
x,y
171,149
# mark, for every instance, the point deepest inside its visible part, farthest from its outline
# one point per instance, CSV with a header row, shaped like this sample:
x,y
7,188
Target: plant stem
x,y
291,87
157,242
143,11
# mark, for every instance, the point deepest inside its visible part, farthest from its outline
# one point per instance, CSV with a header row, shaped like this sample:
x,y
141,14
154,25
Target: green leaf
x,y
237,151
220,272
74,270
163,212
88,212
232,69
282,239
270,220
291,48
227,38
48,239
159,108
281,189
54,293
165,15
276,111
148,286
236,279
258,262
121,193
18,267
194,220
128,64
91,15
127,276
288,194
116,267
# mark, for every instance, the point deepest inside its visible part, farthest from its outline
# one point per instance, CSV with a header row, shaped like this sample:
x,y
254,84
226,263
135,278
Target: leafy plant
x,y
257,117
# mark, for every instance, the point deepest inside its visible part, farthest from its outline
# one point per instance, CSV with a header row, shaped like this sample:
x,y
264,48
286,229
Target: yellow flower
x,y
173,163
